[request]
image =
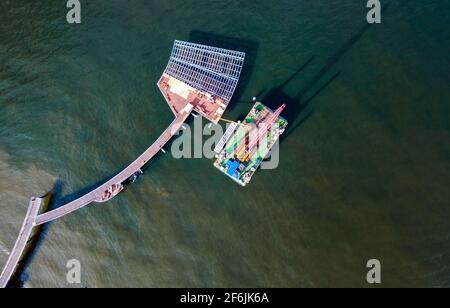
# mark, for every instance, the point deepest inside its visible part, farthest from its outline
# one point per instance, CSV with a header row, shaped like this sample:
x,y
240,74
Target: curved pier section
x,y
106,191
22,240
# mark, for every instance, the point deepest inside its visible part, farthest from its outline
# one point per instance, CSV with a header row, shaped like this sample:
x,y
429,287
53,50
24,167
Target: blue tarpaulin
x,y
232,167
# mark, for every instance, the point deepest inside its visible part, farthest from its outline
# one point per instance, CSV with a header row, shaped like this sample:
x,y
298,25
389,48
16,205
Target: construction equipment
x,y
245,152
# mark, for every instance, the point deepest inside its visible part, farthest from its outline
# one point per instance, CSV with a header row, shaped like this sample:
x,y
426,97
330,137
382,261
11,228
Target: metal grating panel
x,y
209,69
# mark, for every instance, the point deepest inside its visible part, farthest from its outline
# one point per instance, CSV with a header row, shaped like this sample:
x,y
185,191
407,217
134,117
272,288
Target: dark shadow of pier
x,y
249,47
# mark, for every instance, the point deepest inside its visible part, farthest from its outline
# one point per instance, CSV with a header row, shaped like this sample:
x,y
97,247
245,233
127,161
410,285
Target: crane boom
x,y
243,155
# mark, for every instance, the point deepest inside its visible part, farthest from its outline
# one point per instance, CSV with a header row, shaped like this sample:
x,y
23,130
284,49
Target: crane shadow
x,y
277,95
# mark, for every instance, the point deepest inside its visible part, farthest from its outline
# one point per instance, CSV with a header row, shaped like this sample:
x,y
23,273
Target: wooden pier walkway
x,y
33,219
22,240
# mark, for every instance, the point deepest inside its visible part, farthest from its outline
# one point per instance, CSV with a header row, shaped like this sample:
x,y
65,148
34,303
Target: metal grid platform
x,y
208,69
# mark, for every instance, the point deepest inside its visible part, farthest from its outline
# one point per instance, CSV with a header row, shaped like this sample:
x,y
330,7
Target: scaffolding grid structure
x,y
209,69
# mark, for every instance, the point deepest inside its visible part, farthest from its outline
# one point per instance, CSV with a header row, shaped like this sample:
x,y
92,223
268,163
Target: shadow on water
x,y
277,95
302,106
249,47
295,105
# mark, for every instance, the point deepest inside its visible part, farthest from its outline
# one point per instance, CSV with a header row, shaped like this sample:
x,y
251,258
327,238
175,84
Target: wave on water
x,y
3,249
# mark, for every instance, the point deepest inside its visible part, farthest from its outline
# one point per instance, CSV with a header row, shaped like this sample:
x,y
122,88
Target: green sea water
x,y
364,169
